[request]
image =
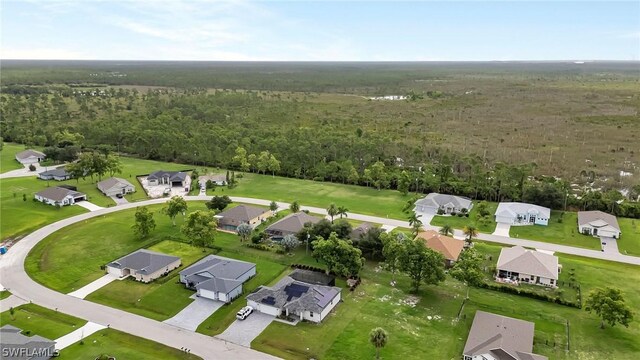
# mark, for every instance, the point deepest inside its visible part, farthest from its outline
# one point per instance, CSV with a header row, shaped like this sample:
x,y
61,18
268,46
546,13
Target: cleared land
x,y
37,320
8,157
458,222
564,233
122,346
629,242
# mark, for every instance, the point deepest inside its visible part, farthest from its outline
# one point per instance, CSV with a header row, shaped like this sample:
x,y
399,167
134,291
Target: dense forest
x,y
326,136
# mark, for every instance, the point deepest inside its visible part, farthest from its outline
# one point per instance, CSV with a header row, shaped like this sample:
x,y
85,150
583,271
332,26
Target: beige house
x,y
522,265
144,265
598,223
242,214
114,186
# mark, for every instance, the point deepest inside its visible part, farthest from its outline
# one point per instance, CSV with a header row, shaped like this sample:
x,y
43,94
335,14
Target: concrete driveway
x,y
93,286
119,201
502,229
609,245
242,332
425,218
195,313
89,206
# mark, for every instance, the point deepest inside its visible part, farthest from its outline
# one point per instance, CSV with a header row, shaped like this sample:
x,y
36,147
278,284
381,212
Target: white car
x,y
244,313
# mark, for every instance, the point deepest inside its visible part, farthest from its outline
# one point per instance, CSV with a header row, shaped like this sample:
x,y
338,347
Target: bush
x,y
440,212
32,167
262,247
461,215
530,294
257,238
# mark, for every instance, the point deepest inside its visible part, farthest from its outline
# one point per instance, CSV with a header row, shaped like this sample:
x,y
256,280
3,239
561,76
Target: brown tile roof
x,y
447,246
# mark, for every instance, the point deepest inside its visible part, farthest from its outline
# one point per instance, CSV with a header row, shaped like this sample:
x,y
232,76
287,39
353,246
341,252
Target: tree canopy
x,y
340,256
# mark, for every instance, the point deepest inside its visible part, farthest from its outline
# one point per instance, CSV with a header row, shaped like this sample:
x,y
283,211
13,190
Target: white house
x,y
30,157
218,278
59,196
171,178
448,204
529,266
295,298
114,186
598,223
144,265
58,174
515,213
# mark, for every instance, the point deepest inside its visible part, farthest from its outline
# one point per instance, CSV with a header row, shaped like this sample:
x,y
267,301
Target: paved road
x,y
25,172
18,282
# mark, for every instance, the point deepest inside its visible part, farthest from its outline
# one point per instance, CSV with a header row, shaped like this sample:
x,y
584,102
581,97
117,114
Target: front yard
x,y
459,222
563,232
36,320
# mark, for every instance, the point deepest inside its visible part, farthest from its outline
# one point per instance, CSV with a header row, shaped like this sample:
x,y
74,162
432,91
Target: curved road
x,y
15,279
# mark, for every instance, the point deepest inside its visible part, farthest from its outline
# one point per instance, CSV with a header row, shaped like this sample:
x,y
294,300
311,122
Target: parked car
x,y
119,196
244,313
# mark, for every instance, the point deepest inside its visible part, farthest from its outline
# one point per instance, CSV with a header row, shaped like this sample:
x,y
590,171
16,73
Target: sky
x,y
319,30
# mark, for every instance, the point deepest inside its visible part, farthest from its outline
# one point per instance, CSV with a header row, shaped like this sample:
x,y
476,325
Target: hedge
x,y
530,294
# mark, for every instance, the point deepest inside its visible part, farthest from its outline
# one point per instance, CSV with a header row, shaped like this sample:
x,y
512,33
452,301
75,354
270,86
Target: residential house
x,y
515,213
30,157
219,179
449,247
59,196
530,266
358,232
144,265
294,298
15,345
497,337
598,223
171,178
242,214
435,203
58,174
218,278
114,186
290,224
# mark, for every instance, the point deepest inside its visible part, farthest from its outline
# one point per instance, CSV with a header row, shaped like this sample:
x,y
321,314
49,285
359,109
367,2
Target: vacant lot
x,y
122,346
36,320
562,229
8,160
629,242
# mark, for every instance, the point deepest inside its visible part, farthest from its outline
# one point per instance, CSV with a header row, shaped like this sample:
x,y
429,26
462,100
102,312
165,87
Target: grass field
x,y
4,294
122,346
8,160
41,321
358,199
55,263
564,233
158,300
629,242
458,222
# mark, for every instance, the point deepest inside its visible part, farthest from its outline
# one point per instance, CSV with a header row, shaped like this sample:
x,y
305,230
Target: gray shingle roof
x,y
292,223
295,296
172,175
219,285
144,261
57,193
240,214
586,217
437,200
112,182
28,153
12,337
216,273
514,208
59,172
501,336
520,260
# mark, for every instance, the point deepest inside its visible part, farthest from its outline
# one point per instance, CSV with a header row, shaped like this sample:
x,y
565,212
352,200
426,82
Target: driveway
x,y
502,229
93,286
119,201
609,245
242,332
89,206
195,313
78,334
24,172
157,191
425,218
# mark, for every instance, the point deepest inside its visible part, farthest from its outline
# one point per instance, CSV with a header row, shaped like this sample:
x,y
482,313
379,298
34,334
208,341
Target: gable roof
x,y
501,336
520,260
293,222
172,175
216,273
112,182
29,153
57,193
514,209
437,200
445,245
597,219
144,261
241,213
59,172
295,296
12,335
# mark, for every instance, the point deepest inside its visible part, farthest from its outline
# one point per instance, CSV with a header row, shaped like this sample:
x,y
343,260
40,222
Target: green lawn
x,y
122,346
629,242
8,160
20,217
4,294
358,199
55,263
564,233
458,222
158,300
41,321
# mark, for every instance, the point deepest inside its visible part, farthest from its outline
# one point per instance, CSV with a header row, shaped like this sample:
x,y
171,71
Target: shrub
x,y
262,247
32,167
530,294
440,212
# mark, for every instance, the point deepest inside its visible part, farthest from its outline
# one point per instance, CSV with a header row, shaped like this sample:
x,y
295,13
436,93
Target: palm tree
x,y
294,207
413,218
446,230
342,211
332,211
470,232
378,338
